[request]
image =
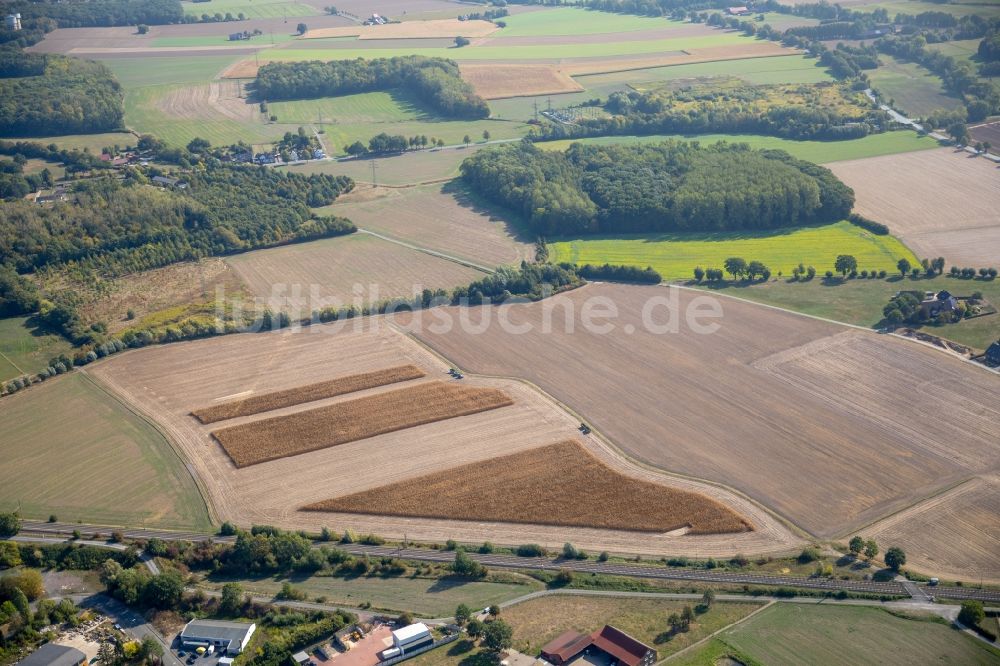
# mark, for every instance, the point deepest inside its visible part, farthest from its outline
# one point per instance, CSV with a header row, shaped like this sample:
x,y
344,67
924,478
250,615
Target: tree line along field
x,y
813,633
73,451
168,383
675,255
845,383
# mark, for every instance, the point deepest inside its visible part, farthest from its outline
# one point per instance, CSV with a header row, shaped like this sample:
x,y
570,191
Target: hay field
x,y
675,255
807,417
71,450
914,90
277,437
432,29
167,383
440,217
498,81
959,533
25,347
333,387
359,268
941,203
560,484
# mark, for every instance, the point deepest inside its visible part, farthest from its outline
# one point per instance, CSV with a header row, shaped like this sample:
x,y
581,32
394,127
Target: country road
x,y
652,571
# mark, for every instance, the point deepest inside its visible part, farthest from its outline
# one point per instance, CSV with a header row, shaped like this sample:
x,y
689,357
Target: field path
x,y
433,253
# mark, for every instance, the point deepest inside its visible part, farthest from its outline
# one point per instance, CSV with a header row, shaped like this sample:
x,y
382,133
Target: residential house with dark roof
x,y
613,643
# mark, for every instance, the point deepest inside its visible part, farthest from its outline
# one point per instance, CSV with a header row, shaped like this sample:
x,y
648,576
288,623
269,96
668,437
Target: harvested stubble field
x,y
167,383
507,80
959,536
292,434
438,217
560,484
805,416
267,402
941,203
339,271
409,30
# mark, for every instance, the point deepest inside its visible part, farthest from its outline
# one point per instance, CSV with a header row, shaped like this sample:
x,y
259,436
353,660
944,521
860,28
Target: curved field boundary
x,y
267,402
560,484
340,423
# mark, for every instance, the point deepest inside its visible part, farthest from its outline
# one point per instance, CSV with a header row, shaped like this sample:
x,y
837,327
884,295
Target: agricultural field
x,y
676,255
277,437
441,217
92,142
941,203
25,348
360,268
252,8
425,597
820,152
413,168
540,620
266,402
168,383
588,495
910,88
913,7
962,539
74,451
573,21
814,633
860,302
834,388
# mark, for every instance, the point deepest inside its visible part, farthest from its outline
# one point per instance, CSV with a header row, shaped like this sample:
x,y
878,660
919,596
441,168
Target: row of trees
x,y
670,186
70,96
97,12
435,81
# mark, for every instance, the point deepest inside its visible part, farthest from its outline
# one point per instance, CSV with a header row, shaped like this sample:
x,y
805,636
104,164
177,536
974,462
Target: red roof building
x,y
624,649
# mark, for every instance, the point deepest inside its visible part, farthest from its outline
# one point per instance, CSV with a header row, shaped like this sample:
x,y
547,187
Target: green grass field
x,y
820,152
913,90
574,21
91,142
26,350
676,255
168,70
794,633
913,7
251,8
860,302
73,451
426,597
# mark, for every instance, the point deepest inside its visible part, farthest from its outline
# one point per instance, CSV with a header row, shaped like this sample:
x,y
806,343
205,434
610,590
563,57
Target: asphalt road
x,y
584,566
131,622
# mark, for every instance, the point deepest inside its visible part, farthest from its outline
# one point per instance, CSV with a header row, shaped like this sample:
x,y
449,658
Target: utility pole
x,y
550,105
536,110
374,181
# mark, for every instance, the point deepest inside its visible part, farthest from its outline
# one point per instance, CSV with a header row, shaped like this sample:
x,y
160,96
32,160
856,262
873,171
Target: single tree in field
x,y
486,135
735,266
493,611
699,274
895,558
708,598
10,524
302,28
856,545
871,549
466,139
845,264
461,41
972,613
687,617
462,614
904,266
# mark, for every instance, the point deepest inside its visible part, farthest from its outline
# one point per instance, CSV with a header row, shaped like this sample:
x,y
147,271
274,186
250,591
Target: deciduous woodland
x,y
57,95
98,12
435,81
671,186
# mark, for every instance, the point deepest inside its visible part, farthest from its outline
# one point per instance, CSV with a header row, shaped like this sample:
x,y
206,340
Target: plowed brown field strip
x,y
292,434
560,484
302,394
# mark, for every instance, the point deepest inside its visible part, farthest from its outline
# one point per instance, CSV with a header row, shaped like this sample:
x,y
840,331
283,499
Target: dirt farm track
x,y
166,383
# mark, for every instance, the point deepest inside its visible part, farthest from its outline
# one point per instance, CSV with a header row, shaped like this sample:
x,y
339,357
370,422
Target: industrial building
x,y
607,645
411,637
51,654
228,638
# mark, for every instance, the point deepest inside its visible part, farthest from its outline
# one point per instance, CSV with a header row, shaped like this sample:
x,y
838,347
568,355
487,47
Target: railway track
x,y
888,588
